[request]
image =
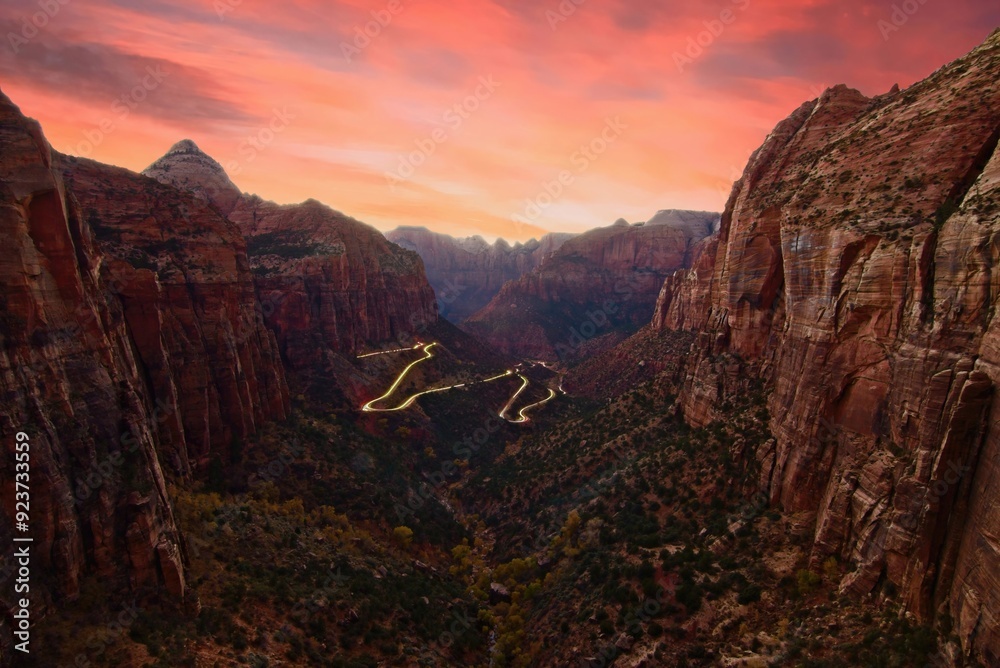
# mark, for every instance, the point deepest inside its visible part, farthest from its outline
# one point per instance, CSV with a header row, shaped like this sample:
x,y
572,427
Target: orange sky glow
x,y
492,117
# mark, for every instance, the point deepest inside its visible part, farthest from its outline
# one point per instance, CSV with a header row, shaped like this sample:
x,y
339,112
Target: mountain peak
x,y
185,146
186,167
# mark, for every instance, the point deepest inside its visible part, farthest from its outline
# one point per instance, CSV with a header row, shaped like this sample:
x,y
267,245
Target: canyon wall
x,y
328,284
467,273
601,281
131,353
856,271
146,330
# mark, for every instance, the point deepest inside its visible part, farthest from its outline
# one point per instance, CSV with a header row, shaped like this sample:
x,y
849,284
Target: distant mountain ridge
x,y
467,272
599,282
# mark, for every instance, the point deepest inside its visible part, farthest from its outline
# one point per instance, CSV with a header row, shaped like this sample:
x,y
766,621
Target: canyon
x,y
467,273
143,343
599,283
855,273
812,372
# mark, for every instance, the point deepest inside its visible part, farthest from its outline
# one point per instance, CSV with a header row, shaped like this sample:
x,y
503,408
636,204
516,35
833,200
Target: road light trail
x,y
387,352
522,418
367,408
370,406
503,411
428,354
409,402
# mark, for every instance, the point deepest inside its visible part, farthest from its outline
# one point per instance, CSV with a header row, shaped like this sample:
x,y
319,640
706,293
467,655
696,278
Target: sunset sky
x,y
369,124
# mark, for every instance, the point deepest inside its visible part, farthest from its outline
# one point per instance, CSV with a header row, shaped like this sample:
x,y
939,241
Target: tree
x,y
403,535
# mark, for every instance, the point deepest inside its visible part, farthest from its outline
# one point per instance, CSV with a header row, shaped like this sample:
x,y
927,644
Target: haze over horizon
x,y
334,112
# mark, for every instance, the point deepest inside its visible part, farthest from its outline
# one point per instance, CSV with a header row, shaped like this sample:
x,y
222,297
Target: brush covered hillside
x,y
467,273
597,286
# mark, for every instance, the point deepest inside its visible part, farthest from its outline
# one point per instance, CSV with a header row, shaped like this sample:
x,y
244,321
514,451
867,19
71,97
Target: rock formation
x,y
467,273
856,273
328,284
595,283
131,352
141,341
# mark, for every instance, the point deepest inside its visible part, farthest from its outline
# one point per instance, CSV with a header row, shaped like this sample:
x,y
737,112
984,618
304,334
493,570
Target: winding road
x,y
522,418
428,354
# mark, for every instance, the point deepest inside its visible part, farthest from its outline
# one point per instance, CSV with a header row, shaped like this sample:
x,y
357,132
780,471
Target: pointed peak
x,y
184,146
187,167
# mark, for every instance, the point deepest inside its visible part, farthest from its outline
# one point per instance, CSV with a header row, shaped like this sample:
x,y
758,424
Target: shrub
x,y
750,594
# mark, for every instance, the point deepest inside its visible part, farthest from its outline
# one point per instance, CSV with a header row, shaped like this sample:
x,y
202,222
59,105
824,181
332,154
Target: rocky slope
x,y
328,283
131,352
145,339
467,273
856,272
596,283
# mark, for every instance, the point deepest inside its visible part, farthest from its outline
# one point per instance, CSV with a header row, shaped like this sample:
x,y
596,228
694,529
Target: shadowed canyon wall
x,y
856,272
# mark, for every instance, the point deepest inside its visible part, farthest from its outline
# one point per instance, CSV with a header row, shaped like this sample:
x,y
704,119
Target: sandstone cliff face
x,y
595,283
467,273
856,271
131,350
183,277
327,283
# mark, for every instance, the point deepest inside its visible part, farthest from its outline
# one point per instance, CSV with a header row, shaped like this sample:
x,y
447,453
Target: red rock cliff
x,y
601,280
132,351
856,272
467,273
328,283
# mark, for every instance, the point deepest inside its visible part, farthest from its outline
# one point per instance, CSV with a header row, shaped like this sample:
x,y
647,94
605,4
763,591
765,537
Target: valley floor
x,y
602,532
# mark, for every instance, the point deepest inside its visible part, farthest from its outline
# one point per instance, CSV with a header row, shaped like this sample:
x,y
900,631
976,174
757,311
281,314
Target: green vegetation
x,y
286,245
605,526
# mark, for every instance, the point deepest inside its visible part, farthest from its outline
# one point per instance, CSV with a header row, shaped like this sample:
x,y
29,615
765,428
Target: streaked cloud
x,y
354,119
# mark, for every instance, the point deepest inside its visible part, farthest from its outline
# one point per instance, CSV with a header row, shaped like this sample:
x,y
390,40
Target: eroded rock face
x,y
855,271
327,284
131,350
181,273
333,283
601,280
467,273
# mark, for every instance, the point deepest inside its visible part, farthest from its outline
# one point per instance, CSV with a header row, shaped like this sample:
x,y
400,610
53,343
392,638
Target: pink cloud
x,y
354,120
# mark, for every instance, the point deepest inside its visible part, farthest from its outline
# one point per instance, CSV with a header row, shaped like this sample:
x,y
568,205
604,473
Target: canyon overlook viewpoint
x,y
242,432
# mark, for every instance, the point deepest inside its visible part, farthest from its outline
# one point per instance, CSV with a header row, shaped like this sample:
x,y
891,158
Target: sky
x,y
494,117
